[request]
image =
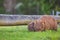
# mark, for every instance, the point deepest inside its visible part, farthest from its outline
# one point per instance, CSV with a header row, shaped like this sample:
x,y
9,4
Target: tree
x,y
9,6
31,6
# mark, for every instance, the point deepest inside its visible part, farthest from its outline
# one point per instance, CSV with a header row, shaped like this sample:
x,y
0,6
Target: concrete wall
x,y
20,19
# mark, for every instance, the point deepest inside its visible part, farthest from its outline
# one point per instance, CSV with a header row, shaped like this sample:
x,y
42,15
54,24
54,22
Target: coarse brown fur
x,y
44,23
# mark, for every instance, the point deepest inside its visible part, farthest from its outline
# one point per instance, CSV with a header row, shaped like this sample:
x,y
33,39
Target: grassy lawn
x,y
22,33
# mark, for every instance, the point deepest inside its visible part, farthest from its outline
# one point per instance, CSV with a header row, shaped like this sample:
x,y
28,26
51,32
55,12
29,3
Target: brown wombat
x,y
44,23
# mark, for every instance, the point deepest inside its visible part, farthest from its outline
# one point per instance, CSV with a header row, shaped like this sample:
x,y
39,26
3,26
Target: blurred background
x,y
30,7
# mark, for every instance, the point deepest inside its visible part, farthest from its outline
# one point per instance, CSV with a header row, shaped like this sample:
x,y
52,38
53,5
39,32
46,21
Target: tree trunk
x,y
9,6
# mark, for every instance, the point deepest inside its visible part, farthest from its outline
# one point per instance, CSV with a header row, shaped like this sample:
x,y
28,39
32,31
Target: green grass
x,y
22,33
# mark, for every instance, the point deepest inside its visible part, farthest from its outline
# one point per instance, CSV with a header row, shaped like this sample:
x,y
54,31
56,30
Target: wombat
x,y
46,22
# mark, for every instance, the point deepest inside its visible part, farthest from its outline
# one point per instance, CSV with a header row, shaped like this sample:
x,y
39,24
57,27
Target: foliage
x,y
1,7
36,7
46,5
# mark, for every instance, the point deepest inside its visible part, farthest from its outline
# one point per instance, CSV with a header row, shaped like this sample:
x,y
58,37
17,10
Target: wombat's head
x,y
31,26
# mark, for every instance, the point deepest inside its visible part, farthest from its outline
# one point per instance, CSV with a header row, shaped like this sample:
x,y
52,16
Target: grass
x,y
22,33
